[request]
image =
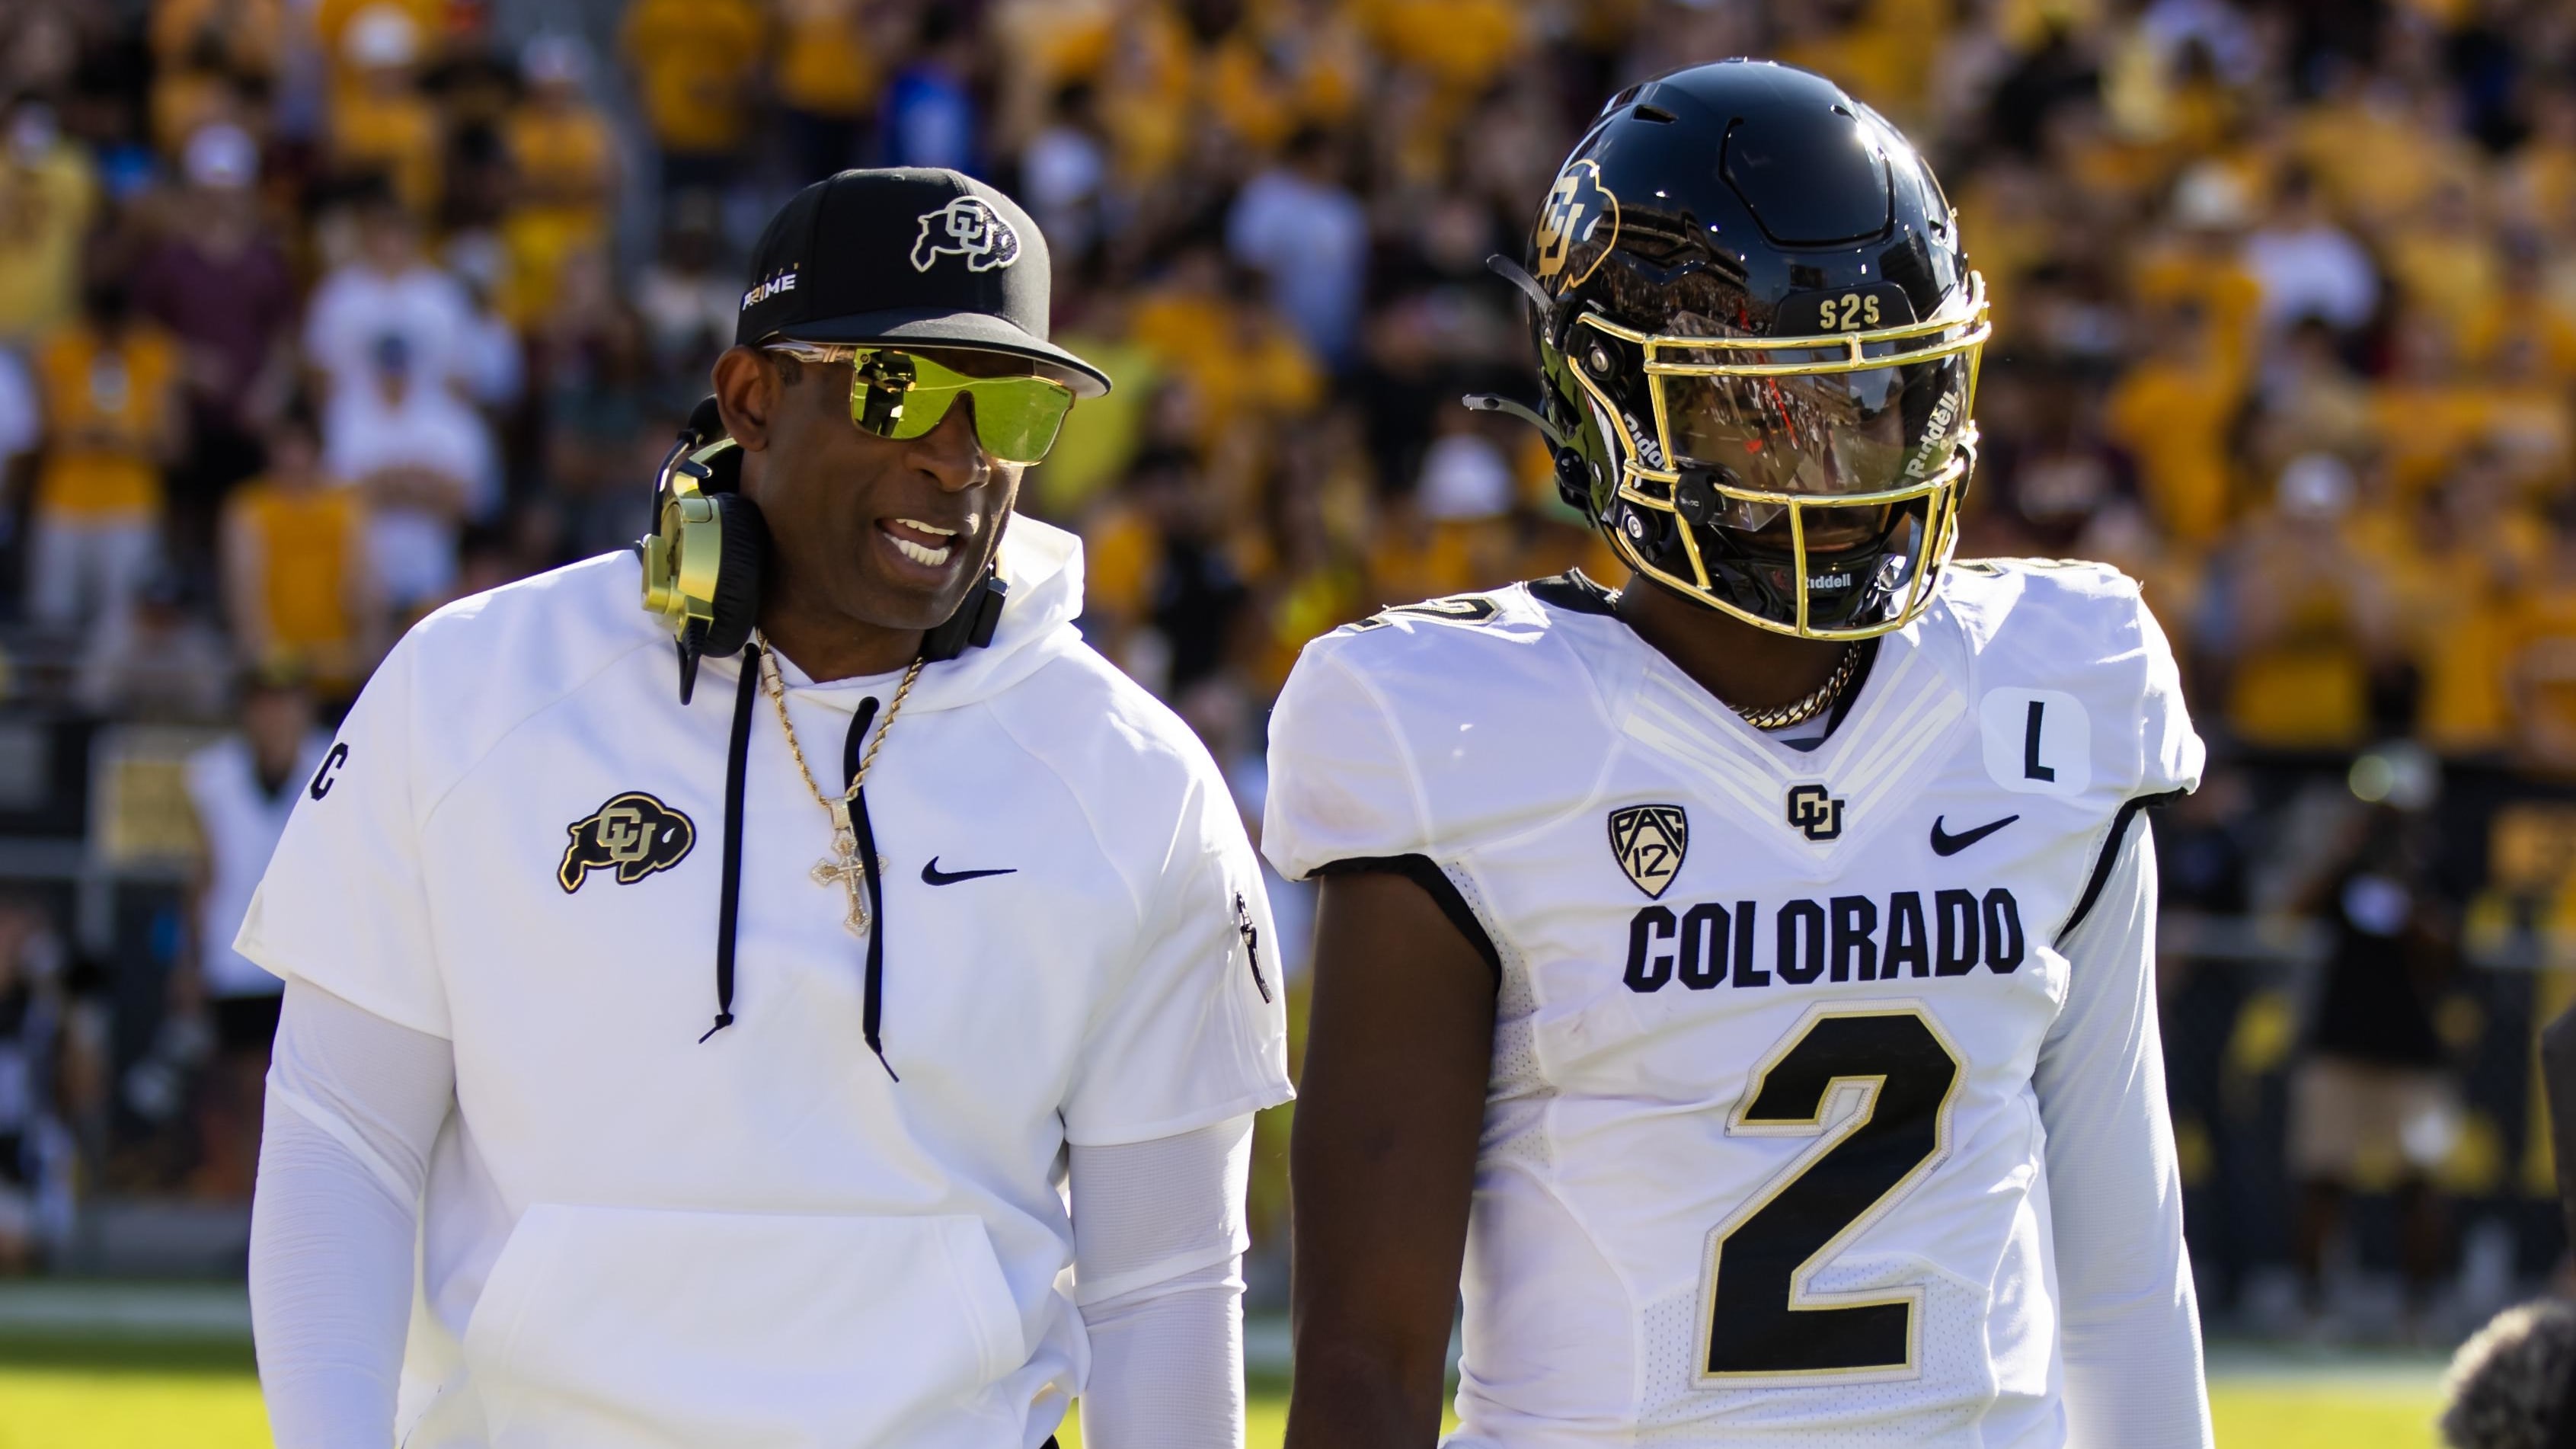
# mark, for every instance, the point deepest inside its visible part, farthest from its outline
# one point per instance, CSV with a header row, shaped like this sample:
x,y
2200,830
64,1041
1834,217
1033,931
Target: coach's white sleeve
x,y
1158,1241
1199,1031
355,1103
2129,1323
342,904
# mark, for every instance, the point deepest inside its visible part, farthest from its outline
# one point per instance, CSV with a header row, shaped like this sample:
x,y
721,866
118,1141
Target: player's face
x,y
889,532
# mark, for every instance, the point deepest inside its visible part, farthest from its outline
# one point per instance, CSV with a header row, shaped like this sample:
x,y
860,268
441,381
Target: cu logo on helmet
x,y
1815,812
968,228
1576,208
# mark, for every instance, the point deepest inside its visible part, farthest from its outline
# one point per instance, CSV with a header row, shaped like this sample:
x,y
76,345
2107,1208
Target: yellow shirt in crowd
x,y
2173,419
305,540
106,411
44,211
825,66
695,59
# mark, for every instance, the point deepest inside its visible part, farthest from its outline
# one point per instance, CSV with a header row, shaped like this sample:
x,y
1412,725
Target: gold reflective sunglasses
x,y
898,394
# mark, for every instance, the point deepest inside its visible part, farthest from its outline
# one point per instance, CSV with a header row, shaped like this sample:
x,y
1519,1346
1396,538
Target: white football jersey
x,y
1763,1159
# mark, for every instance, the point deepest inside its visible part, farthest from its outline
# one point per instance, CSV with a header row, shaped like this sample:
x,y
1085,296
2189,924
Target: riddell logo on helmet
x,y
1820,582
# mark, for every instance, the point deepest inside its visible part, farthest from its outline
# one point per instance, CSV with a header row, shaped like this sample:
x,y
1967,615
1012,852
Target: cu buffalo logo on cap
x,y
633,835
1649,842
969,228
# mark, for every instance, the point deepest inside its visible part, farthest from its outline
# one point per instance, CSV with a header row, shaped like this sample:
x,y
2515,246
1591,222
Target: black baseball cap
x,y
906,255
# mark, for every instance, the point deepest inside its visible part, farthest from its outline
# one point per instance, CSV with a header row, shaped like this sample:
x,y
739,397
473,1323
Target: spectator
x,y
930,112
2371,1104
242,787
389,290
563,161
33,1183
1299,227
381,125
297,579
2508,1385
694,61
112,422
425,462
220,285
48,195
2307,621
830,69
2309,266
2171,411
160,662
687,299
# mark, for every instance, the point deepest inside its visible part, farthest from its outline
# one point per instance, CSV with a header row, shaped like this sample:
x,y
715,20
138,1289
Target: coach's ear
x,y
747,393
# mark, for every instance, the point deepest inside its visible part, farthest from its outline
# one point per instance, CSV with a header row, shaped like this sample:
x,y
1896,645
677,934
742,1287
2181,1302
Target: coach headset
x,y
704,559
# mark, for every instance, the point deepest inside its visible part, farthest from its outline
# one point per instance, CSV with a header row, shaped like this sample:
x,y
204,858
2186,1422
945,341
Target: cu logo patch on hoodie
x,y
633,835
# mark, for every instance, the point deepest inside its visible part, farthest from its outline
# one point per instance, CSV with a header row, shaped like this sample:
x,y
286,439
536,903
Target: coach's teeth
x,y
933,557
927,527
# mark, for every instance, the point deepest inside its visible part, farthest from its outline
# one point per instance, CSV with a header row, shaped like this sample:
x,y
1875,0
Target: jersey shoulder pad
x,y
1423,728
2080,633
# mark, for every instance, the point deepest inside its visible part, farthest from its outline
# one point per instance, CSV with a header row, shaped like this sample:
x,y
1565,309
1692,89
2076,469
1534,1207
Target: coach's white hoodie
x,y
636,1237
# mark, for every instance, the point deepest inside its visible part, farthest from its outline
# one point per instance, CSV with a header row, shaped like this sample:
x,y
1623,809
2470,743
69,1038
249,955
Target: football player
x,y
1743,978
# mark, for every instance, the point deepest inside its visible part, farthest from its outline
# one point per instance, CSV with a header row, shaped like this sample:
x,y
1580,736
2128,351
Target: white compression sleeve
x,y
2129,1322
354,1104
1158,1233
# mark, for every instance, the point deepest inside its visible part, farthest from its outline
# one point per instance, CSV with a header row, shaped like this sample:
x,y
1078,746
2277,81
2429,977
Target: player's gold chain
x,y
1799,711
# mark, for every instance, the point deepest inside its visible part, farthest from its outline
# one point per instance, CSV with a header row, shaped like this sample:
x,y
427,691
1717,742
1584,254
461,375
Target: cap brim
x,y
981,331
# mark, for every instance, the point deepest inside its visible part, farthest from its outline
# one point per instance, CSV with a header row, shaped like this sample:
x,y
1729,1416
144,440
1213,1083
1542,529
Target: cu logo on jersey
x,y
1649,842
968,228
1576,208
633,835
1815,812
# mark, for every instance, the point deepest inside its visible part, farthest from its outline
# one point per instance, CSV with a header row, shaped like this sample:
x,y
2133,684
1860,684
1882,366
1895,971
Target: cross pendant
x,y
842,868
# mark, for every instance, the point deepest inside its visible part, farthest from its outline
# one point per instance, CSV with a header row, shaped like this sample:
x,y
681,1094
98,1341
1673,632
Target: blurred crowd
x,y
315,314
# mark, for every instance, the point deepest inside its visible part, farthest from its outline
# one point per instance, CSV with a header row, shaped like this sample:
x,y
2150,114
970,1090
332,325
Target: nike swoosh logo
x,y
1945,844
931,874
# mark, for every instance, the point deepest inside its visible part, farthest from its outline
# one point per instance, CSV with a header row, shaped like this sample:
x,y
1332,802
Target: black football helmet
x,y
1758,341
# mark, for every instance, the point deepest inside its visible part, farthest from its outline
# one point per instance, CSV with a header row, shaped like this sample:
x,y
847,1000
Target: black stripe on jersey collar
x,y
1422,871
1573,591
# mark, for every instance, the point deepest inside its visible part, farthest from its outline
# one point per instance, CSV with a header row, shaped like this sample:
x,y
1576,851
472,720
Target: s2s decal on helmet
x,y
968,228
1577,206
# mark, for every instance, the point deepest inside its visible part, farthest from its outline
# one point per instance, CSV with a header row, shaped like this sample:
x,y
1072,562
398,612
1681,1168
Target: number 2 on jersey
x,y
1763,1321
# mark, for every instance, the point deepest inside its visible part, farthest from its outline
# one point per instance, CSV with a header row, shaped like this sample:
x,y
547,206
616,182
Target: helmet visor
x,y
1810,434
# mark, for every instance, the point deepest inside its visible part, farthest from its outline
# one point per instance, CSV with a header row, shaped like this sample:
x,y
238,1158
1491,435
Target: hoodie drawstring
x,y
872,1008
729,901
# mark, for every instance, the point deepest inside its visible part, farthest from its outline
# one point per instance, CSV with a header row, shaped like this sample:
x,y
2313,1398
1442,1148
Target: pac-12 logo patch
x,y
969,228
1578,208
1815,812
633,834
1649,842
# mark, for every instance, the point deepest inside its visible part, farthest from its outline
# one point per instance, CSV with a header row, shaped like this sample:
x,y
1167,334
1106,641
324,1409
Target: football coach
x,y
729,984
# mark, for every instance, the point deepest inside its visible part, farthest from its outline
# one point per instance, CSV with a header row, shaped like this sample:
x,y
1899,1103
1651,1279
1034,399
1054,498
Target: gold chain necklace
x,y
1796,712
842,867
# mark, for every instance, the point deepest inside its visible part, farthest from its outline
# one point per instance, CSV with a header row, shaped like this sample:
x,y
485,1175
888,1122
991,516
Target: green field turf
x,y
66,1408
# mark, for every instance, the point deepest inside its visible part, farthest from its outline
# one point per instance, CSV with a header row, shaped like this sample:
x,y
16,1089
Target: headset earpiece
x,y
972,626
704,558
